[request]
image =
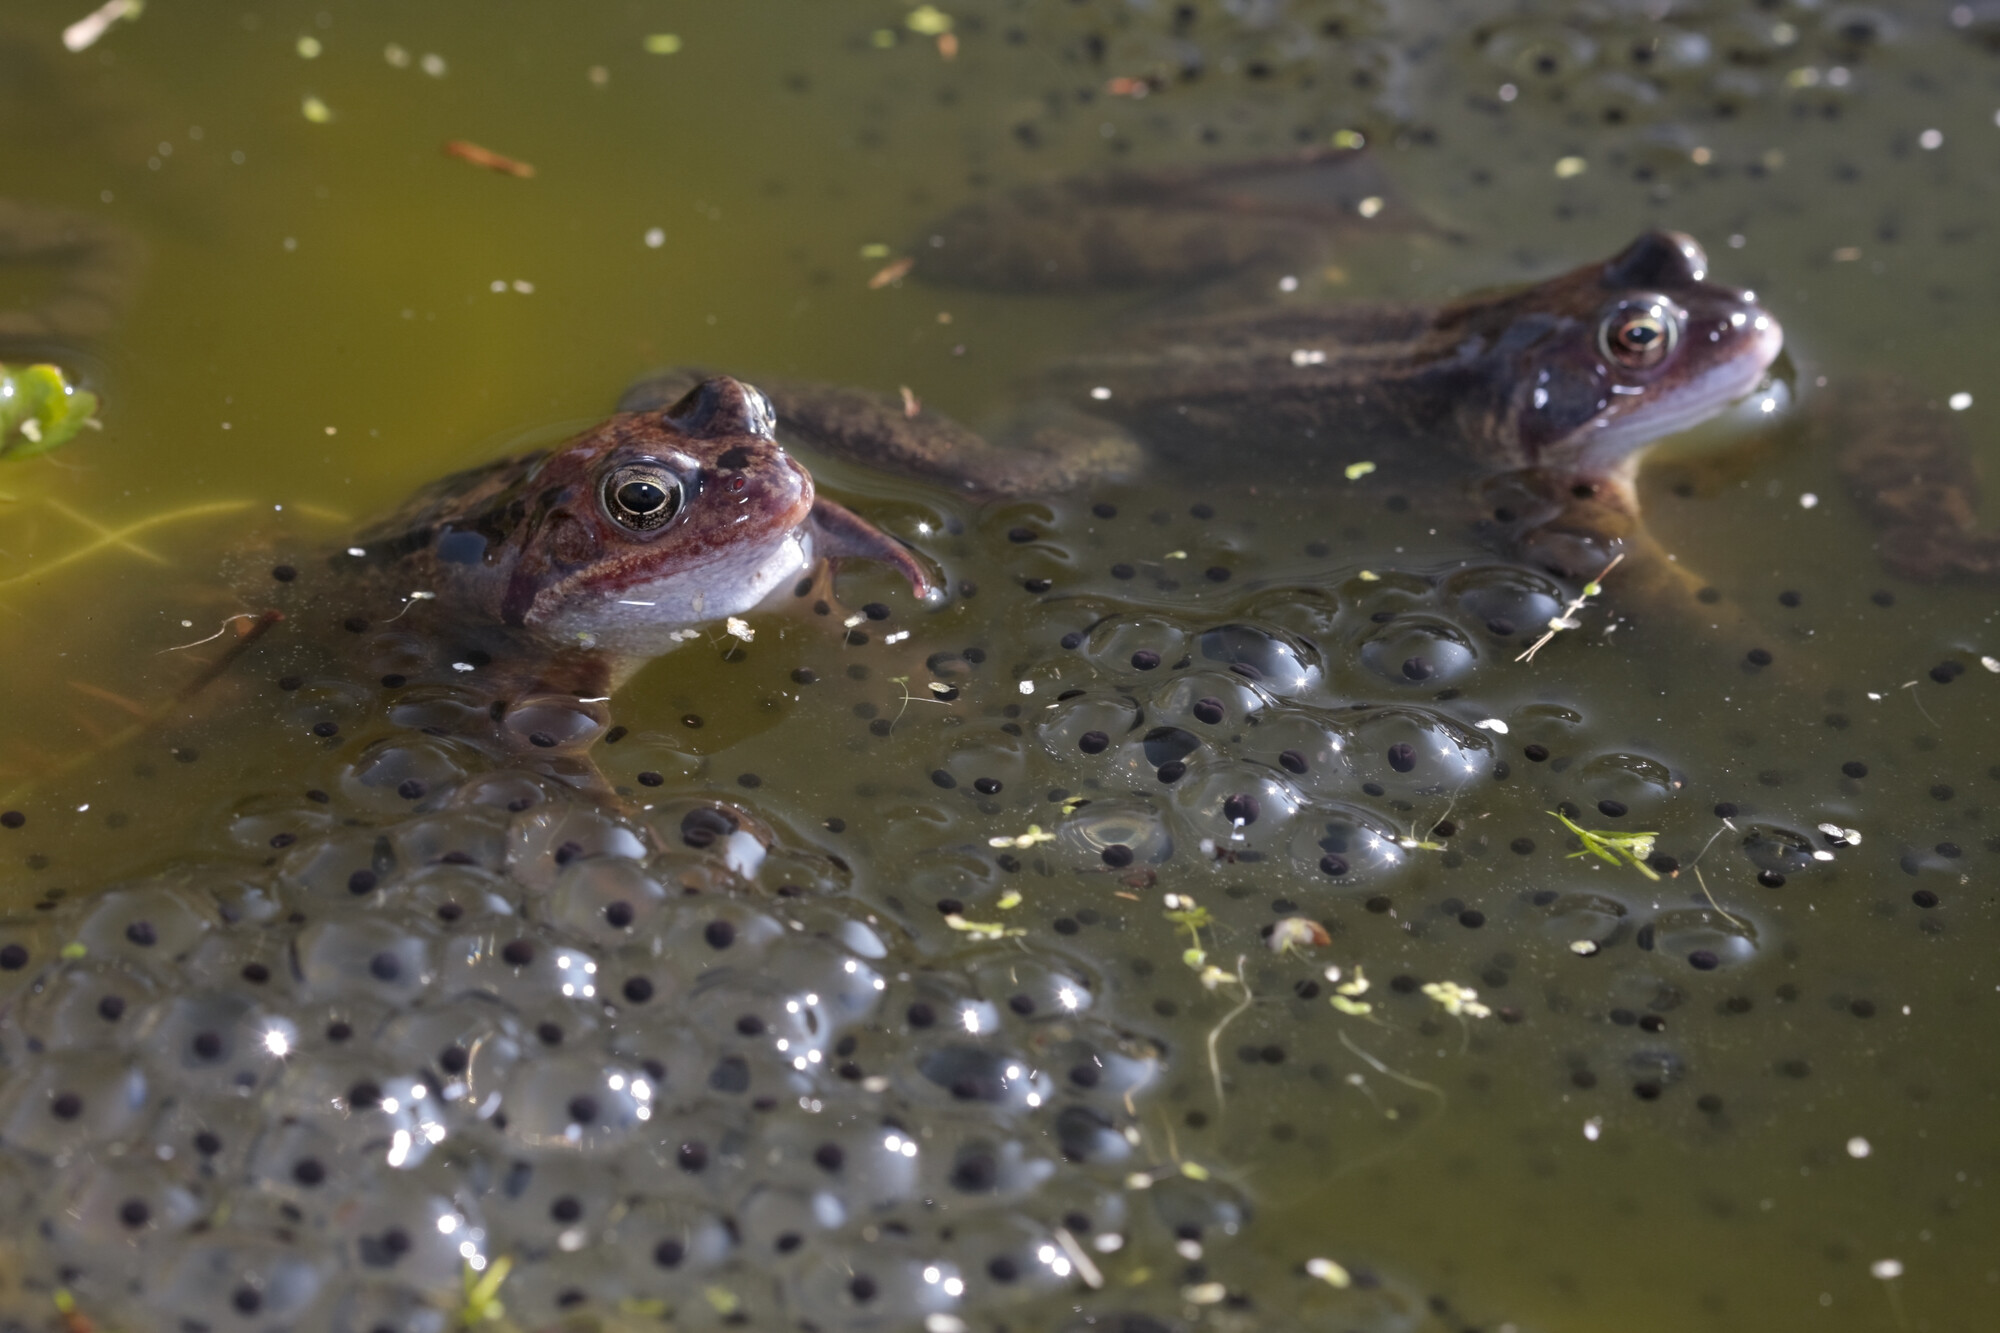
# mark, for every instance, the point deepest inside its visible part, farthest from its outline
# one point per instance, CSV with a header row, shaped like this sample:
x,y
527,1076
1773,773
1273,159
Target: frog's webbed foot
x,y
1910,467
1045,451
96,266
1125,229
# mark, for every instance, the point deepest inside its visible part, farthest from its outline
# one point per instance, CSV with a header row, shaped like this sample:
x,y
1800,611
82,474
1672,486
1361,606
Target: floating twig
x,y
1567,618
467,151
1215,1033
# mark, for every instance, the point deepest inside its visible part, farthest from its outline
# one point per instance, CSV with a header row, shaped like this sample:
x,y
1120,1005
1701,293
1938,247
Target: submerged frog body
x,y
1553,389
82,273
1911,469
1126,228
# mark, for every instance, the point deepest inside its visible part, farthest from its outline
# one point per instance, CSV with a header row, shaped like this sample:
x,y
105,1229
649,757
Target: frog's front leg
x,y
1043,450
1577,529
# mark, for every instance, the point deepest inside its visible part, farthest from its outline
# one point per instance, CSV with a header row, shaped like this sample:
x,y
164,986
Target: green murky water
x,y
332,313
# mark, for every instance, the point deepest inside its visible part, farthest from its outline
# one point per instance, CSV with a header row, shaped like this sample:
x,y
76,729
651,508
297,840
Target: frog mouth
x,y
1670,408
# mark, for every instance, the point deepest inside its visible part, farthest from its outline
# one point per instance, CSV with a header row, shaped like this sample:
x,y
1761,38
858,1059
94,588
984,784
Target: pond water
x,y
849,1002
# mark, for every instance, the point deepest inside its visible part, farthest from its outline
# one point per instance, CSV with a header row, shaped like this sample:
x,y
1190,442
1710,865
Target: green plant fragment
x,y
40,410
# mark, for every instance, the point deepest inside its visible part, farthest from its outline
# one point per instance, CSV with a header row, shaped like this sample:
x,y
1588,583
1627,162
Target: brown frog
x,y
568,570
1540,399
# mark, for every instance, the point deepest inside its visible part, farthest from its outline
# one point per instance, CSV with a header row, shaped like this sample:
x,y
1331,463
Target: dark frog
x,y
1537,401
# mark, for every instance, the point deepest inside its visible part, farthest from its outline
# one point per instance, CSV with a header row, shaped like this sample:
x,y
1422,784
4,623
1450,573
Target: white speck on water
x,y
655,237
1738,240
499,284
1288,283
462,666
1370,206
1991,664
1808,501
897,637
1508,92
1308,356
396,56
357,551
1593,1127
524,287
1960,401
1886,1269
433,65
1100,393
1027,687
1858,1147
1931,139
1492,724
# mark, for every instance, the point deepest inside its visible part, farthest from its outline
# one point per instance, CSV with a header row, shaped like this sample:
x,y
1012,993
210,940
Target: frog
x,y
1537,402
566,570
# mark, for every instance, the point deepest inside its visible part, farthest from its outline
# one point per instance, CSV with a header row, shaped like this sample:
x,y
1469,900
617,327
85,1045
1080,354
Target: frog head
x,y
1602,361
644,527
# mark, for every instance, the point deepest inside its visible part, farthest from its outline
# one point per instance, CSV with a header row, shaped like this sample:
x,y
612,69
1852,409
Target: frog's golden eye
x,y
1638,335
642,496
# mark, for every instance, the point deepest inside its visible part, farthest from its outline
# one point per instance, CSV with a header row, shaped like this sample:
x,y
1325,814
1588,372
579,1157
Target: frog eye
x,y
642,496
1638,335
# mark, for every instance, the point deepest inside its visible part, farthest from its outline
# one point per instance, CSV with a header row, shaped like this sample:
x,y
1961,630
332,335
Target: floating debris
x,y
1294,934
1613,846
1457,1000
891,272
1329,1272
85,32
467,151
1566,619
